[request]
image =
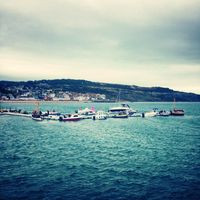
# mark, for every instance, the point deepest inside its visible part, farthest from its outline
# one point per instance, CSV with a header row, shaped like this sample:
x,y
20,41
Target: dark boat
x,y
177,112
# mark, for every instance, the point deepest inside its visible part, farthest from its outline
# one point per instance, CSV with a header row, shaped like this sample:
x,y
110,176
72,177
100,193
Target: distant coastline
x,y
53,101
71,90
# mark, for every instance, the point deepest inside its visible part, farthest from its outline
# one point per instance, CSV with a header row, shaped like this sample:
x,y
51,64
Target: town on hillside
x,y
51,95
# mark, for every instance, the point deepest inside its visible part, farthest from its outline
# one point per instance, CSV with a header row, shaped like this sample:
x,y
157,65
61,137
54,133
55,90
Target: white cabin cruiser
x,y
124,108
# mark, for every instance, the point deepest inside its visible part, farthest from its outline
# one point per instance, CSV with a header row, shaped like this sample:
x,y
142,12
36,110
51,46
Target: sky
x,y
136,42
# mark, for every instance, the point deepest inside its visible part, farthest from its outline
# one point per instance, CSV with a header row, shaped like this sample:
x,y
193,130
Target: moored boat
x,y
37,118
137,114
100,115
152,113
124,108
120,115
164,113
177,112
86,113
54,117
70,117
36,115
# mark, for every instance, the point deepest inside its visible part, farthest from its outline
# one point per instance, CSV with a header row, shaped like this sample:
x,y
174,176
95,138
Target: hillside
x,y
127,92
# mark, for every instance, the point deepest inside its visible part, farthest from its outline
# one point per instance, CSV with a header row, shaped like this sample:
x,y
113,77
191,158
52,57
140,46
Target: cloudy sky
x,y
140,42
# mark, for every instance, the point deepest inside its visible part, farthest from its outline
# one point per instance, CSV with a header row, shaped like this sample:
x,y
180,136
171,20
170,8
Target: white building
x,y
66,97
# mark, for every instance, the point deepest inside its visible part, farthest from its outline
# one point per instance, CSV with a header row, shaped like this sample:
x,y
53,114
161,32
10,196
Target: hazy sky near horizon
x,y
139,42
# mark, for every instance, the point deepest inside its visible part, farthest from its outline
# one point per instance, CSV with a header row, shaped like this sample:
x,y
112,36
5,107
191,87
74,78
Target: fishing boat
x,y
70,117
177,112
100,115
164,113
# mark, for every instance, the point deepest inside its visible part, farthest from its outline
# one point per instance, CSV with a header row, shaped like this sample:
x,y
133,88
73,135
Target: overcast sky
x,y
139,42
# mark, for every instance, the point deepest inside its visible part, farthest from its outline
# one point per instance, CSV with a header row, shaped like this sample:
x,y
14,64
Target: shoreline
x,y
55,101
66,101
41,101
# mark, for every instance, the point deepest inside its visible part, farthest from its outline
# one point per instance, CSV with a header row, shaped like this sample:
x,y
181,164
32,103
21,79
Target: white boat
x,y
121,109
16,114
137,114
53,113
100,115
152,113
70,117
86,113
164,113
54,117
37,118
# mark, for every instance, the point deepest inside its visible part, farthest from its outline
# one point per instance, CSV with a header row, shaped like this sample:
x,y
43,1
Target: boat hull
x,y
70,119
120,116
177,113
39,119
150,114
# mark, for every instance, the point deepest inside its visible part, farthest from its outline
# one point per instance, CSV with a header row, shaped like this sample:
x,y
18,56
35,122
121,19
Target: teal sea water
x,y
135,158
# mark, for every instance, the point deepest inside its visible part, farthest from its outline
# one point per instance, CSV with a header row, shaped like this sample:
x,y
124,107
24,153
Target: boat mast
x,y
37,106
174,103
119,95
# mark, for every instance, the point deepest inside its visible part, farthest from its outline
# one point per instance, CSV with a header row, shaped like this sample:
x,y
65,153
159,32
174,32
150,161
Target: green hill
x,y
127,92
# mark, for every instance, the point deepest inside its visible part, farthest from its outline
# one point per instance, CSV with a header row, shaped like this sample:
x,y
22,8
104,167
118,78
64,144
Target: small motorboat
x,y
100,115
136,114
70,117
152,113
37,118
54,117
177,112
164,113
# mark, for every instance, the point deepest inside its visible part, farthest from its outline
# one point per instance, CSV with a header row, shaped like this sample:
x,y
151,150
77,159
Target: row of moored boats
x,y
123,111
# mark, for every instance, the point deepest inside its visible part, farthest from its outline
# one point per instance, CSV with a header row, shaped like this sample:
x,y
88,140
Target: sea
x,y
137,158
